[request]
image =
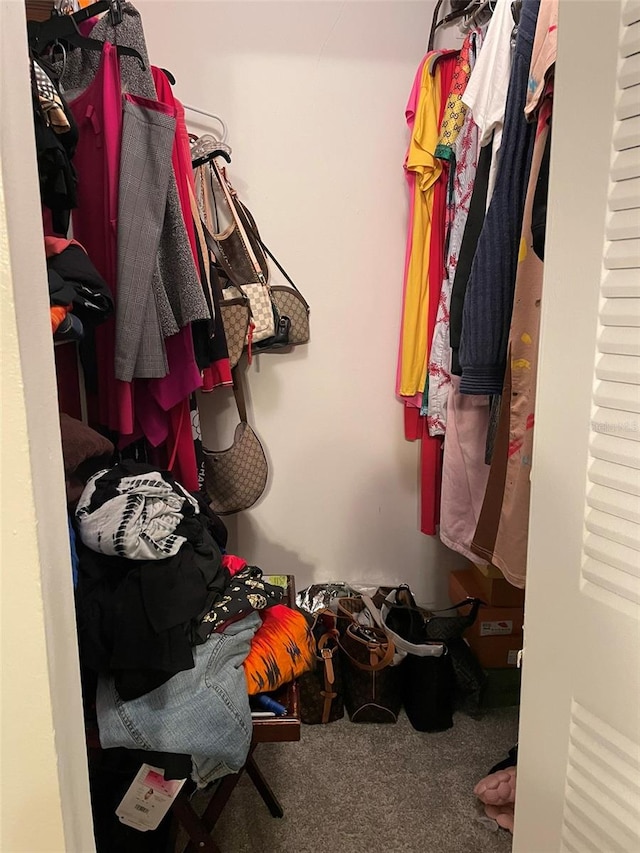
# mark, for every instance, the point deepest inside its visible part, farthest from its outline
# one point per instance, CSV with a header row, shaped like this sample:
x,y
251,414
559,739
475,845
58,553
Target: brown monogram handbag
x,y
321,689
290,303
371,683
236,317
235,478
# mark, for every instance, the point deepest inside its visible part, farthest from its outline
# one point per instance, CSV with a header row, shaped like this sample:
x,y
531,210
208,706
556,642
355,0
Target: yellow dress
x,y
427,168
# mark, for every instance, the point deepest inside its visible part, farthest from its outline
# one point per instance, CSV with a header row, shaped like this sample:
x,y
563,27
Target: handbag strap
x,y
268,251
382,663
375,613
201,237
468,600
206,213
326,654
222,180
238,393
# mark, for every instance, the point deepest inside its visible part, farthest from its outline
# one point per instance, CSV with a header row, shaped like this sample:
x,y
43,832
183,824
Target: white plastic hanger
x,y
209,142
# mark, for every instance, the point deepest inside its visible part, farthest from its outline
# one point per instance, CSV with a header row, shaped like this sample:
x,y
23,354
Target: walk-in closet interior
x,y
320,419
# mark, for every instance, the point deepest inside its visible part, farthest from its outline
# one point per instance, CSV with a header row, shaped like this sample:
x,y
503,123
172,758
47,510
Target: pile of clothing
x,y
167,621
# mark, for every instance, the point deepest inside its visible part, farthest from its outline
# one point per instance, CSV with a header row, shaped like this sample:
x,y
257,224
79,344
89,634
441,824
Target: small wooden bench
x,y
266,730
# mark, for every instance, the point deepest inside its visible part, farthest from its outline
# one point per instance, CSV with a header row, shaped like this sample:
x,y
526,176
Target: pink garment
x,y
98,114
464,474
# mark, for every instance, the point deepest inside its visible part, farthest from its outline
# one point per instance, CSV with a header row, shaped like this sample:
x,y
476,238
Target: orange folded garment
x,y
282,649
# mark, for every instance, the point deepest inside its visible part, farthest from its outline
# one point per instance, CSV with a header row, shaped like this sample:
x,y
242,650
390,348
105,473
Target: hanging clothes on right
x,y
505,542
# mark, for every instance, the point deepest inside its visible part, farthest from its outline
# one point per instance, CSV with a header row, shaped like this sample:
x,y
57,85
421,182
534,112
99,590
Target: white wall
x,y
43,769
314,94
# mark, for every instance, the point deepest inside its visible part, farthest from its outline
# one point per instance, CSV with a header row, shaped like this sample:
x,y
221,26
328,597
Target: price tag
x,y
148,799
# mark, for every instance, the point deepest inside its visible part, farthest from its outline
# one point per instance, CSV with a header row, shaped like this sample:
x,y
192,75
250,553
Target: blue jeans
x,y
203,712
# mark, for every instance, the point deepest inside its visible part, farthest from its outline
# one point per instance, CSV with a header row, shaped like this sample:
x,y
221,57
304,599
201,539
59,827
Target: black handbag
x,y
401,613
426,674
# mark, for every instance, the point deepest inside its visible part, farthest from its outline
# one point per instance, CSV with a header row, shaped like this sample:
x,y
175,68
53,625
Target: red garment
x,y
414,425
431,450
56,245
219,373
233,564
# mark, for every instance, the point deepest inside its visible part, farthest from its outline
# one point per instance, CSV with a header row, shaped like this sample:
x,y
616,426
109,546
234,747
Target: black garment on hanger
x,y
74,279
539,212
54,152
209,340
475,221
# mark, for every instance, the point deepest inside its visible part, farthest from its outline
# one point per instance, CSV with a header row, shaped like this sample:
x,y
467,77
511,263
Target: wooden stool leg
x,y
220,799
263,788
200,838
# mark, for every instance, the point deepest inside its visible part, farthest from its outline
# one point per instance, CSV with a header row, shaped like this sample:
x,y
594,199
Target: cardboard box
x,y
491,621
488,570
497,590
496,652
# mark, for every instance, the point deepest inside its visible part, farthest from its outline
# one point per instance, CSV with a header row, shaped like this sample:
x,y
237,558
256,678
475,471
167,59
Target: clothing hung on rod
x,y
133,164
491,138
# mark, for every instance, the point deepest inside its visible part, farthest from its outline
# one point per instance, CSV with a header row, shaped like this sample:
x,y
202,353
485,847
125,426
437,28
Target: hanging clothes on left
x,y
424,266
127,160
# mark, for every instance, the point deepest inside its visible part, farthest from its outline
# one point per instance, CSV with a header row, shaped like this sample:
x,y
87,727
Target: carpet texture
x,y
350,788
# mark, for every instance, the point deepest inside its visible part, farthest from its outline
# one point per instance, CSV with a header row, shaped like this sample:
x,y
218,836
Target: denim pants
x,y
203,712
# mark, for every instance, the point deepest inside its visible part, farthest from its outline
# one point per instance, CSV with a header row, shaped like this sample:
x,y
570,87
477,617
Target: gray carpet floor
x,y
350,788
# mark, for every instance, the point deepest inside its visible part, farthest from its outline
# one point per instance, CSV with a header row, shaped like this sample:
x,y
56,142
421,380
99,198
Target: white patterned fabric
x,y
138,519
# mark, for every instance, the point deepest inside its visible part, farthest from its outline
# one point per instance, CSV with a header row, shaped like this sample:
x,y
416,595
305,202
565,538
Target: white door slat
x,y
612,448
622,254
624,194
629,71
615,502
620,312
608,421
625,283
613,554
630,41
617,395
628,103
626,164
619,368
616,529
630,12
616,477
624,225
620,339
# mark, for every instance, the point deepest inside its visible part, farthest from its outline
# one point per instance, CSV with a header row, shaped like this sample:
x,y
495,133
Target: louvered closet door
x,y
579,760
